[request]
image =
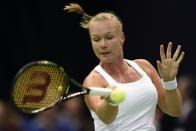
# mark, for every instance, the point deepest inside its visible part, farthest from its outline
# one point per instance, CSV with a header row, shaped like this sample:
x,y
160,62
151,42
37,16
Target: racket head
x,y
38,85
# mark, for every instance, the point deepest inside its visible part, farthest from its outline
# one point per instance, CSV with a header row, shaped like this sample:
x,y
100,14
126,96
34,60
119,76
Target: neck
x,y
115,67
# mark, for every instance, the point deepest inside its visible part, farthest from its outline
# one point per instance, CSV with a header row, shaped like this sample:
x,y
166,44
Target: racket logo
x,y
39,82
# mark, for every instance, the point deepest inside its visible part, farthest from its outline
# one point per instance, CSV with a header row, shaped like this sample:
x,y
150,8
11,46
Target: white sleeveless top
x,y
137,112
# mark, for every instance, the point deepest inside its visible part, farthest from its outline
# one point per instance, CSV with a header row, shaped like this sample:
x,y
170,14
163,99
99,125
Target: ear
x,y
122,38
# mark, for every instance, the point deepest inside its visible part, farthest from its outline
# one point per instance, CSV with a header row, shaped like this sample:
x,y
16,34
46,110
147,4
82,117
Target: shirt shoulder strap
x,y
105,75
136,67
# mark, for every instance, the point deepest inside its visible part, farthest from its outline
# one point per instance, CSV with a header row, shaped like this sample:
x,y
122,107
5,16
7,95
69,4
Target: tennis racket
x,y
41,85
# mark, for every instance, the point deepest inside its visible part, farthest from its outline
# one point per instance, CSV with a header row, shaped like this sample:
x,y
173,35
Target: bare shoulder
x,y
143,63
94,79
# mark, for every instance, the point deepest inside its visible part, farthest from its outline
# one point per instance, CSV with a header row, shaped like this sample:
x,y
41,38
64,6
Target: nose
x,y
103,44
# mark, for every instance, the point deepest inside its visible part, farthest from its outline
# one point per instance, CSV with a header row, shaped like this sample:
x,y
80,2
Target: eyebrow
x,y
107,33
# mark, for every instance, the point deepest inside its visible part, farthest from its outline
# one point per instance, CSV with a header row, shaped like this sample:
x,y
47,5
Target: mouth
x,y
105,53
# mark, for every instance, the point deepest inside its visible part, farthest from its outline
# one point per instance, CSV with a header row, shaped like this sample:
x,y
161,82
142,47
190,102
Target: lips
x,y
103,53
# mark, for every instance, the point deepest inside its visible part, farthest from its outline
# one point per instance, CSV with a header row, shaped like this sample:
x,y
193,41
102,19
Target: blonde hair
x,y
87,19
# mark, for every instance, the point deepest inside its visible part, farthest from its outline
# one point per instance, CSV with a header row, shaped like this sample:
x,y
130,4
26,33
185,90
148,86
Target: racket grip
x,y
99,91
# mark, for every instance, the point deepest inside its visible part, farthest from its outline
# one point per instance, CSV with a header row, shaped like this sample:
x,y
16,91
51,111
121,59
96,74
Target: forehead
x,y
103,26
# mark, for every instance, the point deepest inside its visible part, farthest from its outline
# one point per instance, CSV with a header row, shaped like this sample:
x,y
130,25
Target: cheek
x,y
116,44
117,47
95,49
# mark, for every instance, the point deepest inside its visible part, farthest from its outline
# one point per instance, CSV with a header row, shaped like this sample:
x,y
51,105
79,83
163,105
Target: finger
x,y
177,52
180,58
162,53
169,49
159,66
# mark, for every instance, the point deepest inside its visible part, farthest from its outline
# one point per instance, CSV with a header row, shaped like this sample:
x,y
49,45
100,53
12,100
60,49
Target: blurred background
x,y
40,30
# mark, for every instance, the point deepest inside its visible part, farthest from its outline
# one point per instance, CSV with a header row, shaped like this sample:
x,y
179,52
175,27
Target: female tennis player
x,y
145,88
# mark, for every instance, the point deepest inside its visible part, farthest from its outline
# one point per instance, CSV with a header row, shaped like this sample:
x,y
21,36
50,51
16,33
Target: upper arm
x,y
94,80
153,74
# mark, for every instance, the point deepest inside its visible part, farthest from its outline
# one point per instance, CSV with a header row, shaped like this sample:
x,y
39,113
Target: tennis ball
x,y
60,88
117,96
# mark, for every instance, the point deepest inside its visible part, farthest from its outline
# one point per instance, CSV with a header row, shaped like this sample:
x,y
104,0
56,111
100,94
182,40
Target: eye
x,y
96,39
109,37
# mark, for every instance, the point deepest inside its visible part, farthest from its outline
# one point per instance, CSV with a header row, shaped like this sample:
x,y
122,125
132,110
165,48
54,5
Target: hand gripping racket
x,y
41,85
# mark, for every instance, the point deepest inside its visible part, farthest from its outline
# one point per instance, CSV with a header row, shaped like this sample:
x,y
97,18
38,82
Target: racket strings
x,y
37,87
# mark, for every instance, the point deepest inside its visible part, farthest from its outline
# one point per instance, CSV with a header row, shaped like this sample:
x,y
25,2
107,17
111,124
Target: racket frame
x,y
63,98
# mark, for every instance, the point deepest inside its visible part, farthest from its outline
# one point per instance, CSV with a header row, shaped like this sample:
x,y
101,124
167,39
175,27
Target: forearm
x,y
106,112
173,102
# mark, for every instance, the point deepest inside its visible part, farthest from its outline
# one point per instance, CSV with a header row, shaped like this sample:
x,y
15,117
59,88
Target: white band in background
x,y
169,85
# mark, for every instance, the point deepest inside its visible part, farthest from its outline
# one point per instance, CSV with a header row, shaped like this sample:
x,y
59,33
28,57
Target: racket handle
x,y
99,91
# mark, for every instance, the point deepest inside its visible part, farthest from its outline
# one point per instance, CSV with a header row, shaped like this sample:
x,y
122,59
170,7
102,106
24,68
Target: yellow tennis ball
x,y
60,88
117,96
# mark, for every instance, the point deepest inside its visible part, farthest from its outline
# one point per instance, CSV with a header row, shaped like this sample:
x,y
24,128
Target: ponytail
x,y
74,7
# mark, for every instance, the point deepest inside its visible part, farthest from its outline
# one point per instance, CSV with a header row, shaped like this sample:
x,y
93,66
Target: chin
x,y
106,60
